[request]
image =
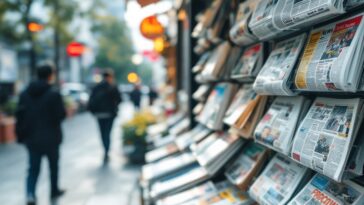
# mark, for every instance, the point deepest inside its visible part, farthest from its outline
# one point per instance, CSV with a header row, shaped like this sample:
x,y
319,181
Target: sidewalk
x,y
87,182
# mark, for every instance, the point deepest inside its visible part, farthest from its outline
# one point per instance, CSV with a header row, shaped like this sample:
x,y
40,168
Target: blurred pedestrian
x,y
104,102
136,96
153,95
39,115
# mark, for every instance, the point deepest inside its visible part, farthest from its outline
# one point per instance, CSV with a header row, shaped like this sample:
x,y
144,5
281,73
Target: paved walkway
x,y
87,182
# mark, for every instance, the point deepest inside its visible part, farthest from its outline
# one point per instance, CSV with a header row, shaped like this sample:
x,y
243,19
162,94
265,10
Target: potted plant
x,y
134,136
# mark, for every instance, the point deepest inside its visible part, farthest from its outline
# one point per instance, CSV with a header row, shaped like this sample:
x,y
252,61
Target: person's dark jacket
x,y
105,99
135,97
39,114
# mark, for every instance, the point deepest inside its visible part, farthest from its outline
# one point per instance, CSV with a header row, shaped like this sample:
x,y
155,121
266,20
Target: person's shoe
x,y
31,200
106,159
57,194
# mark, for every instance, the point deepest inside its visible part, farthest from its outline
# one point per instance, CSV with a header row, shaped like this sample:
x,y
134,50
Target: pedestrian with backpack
x,y
39,114
103,104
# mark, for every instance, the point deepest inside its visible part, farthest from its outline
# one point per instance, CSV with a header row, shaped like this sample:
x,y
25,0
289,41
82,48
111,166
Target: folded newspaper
x,y
249,64
214,66
277,128
239,32
278,182
275,78
333,57
247,165
326,135
322,190
275,17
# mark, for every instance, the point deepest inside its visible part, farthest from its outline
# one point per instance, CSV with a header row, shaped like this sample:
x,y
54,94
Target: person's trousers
x,y
35,159
105,125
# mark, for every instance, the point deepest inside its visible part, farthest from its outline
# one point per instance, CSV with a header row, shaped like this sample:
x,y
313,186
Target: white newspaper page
x,y
324,138
321,190
328,61
278,181
261,23
277,127
273,77
292,14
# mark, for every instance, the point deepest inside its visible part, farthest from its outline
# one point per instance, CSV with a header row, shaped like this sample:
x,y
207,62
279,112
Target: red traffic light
x,y
75,49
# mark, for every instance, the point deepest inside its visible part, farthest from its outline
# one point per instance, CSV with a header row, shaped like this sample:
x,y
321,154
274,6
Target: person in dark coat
x,y
136,96
104,102
39,114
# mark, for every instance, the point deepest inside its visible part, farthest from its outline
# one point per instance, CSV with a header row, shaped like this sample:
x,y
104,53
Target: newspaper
x,y
246,166
353,3
294,14
249,63
321,190
188,195
240,33
325,137
239,104
278,182
261,22
355,166
332,59
275,76
215,64
276,129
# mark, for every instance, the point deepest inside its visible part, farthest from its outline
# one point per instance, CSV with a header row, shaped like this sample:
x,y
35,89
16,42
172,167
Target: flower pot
x,y
7,130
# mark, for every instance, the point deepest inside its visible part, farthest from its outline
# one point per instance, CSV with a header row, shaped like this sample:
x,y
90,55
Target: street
x,y
82,175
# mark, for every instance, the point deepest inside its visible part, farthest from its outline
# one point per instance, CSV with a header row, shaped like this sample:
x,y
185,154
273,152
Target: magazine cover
x,y
276,129
278,182
331,61
249,63
324,138
246,166
215,64
322,190
274,77
239,104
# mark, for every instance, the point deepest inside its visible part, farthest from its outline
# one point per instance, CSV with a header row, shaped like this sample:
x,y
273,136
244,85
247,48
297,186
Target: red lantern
x,y
75,49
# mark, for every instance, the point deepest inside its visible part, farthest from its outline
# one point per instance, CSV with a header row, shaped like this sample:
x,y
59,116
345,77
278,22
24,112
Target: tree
x,y
114,47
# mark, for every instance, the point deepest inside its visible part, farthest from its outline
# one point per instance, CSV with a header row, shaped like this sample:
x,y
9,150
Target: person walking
x,y
39,114
104,102
136,96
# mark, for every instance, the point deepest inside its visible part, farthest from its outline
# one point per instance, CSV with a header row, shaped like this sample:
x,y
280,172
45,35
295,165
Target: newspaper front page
x,y
274,77
261,22
293,14
325,137
321,190
277,127
330,60
249,63
278,182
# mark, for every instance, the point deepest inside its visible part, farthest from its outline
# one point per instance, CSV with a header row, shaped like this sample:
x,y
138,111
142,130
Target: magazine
x,y
332,59
216,106
226,193
324,138
201,62
188,195
216,149
185,140
278,182
161,152
215,64
201,92
322,190
277,128
249,63
247,165
165,166
239,32
277,72
178,181
244,99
